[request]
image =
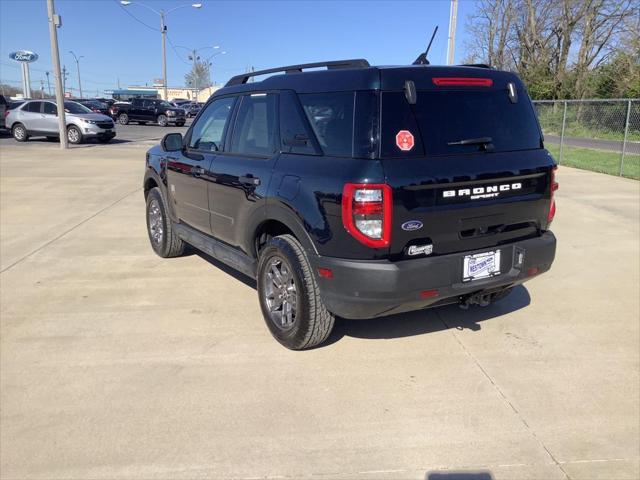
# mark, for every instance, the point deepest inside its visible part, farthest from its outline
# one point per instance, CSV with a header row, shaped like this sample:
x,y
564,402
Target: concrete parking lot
x,y
115,363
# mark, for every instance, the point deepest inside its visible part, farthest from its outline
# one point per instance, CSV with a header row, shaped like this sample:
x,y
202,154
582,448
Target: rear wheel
x,y
162,120
289,295
74,135
20,132
123,119
164,240
179,124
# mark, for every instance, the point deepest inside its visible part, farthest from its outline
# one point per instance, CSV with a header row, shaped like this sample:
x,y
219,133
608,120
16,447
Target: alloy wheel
x,y
280,293
156,227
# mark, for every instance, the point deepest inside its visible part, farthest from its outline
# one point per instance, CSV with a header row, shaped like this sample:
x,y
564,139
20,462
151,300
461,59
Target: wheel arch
x,y
278,221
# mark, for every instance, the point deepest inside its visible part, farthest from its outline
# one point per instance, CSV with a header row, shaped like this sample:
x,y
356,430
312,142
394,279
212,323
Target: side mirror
x,y
172,142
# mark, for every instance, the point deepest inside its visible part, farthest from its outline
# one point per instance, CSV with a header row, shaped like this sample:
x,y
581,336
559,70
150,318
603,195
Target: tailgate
x,y
468,202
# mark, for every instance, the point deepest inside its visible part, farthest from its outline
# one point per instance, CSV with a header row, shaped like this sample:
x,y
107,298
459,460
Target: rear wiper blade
x,y
472,141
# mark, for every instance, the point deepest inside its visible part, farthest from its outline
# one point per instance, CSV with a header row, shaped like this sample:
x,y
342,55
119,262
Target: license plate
x,y
481,265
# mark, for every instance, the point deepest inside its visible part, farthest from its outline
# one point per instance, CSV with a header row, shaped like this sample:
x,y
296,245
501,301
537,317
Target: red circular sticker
x,y
404,140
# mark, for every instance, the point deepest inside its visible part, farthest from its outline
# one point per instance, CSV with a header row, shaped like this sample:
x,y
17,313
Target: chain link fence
x,y
598,135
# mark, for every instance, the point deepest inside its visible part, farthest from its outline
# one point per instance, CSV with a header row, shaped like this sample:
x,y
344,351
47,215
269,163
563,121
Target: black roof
x,y
356,74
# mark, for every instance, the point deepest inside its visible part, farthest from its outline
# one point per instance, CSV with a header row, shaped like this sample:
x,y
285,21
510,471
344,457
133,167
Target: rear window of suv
x,y
441,117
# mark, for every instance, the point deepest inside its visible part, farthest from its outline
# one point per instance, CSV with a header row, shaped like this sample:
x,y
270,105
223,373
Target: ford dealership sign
x,y
23,56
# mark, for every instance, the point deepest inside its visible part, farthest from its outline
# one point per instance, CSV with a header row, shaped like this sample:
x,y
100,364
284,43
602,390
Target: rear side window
x,y
254,132
441,118
331,118
33,107
295,137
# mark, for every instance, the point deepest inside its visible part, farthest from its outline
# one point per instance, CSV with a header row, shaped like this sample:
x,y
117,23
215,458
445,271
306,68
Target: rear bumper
x,y
363,289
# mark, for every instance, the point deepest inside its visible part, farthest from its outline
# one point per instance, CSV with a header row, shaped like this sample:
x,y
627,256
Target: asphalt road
x,y
115,363
595,143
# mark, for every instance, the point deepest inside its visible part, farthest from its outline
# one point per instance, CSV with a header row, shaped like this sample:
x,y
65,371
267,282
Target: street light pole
x,y
77,59
453,20
163,30
55,22
163,34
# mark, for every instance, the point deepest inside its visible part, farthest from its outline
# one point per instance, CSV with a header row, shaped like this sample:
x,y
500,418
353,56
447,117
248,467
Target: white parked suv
x,y
39,118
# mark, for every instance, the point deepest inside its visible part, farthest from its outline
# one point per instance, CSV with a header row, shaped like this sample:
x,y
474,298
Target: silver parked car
x,y
40,118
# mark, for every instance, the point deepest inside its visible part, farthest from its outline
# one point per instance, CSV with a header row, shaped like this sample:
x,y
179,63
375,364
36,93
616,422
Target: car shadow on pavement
x,y
408,324
480,475
425,321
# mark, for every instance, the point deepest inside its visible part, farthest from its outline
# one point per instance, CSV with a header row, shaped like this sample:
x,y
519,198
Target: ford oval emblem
x,y
412,225
24,56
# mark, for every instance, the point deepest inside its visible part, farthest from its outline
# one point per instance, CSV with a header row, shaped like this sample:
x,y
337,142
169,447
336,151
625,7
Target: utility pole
x,y
41,88
453,19
48,83
54,22
77,59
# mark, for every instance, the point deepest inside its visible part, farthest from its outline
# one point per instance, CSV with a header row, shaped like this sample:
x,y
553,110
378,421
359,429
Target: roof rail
x,y
355,63
478,65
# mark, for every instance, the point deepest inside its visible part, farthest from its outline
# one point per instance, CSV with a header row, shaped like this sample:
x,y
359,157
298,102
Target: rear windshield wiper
x,y
472,141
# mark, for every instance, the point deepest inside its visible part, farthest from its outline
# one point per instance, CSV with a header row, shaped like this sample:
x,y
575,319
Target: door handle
x,y
250,180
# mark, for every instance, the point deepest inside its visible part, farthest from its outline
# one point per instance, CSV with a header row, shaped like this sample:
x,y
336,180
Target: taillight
x,y
554,187
462,82
366,213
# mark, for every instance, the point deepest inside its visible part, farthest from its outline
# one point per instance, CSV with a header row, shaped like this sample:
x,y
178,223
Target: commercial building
x,y
155,91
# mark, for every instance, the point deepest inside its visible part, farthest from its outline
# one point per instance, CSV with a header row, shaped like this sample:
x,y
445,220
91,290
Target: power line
x,y
134,17
173,47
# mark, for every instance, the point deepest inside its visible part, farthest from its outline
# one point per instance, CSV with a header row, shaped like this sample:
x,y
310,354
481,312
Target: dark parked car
x,y
360,191
191,109
95,106
143,110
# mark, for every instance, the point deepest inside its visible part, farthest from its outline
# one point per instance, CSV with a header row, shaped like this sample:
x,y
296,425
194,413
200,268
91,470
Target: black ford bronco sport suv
x,y
360,191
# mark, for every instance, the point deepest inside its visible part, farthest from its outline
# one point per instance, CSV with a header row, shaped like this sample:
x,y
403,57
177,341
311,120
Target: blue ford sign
x,y
23,56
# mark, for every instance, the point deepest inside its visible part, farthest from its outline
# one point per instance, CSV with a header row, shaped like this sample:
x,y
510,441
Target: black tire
x,y
19,132
312,322
180,124
162,120
74,135
167,244
123,119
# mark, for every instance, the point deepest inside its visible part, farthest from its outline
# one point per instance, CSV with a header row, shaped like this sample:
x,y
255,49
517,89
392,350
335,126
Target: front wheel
x,y
162,120
123,119
74,135
289,295
164,240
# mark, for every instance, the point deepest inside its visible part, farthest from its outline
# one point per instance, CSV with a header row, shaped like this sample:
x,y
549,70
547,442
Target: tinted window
x,y
439,118
208,131
50,108
294,134
255,126
74,107
33,107
331,117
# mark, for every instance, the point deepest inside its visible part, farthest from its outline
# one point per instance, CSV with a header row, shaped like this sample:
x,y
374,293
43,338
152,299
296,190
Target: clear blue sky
x,y
262,34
